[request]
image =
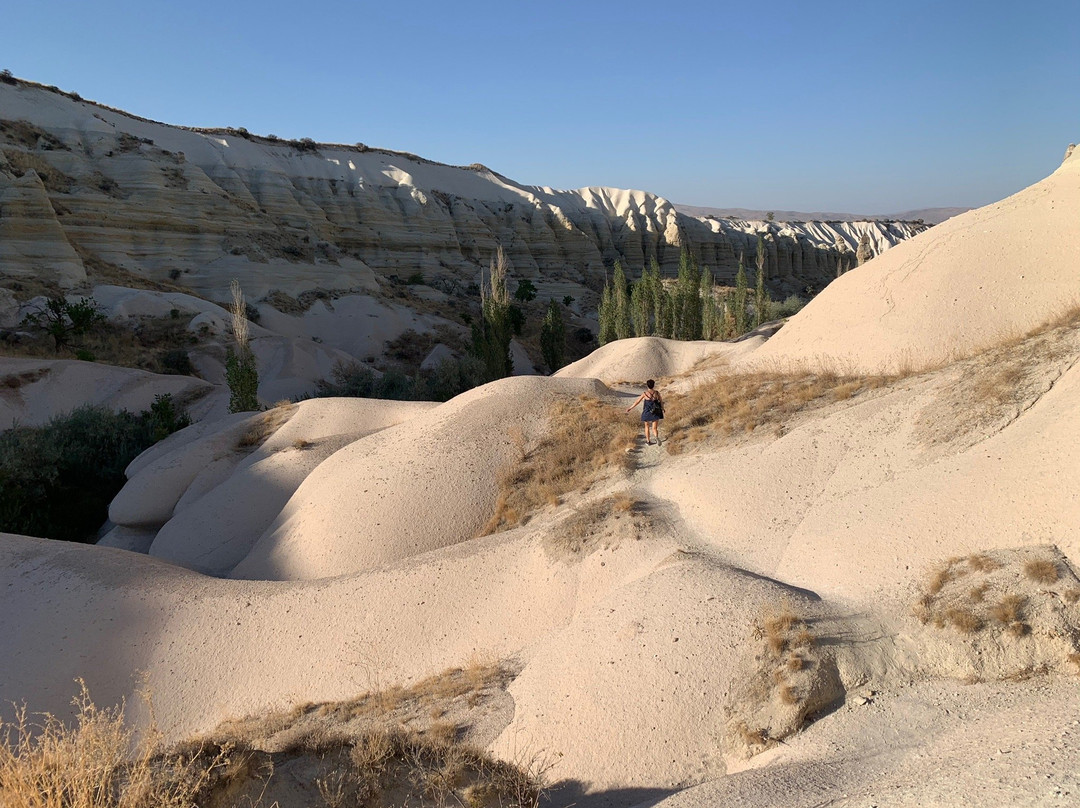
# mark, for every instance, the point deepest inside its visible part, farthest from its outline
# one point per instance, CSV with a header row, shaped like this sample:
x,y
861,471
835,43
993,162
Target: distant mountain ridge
x,y
927,215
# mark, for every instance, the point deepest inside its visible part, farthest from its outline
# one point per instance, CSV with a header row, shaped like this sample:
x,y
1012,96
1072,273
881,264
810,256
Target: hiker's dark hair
x,y
650,384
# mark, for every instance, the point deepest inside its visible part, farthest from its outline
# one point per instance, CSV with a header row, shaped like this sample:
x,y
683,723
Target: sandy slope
x,y
958,288
637,653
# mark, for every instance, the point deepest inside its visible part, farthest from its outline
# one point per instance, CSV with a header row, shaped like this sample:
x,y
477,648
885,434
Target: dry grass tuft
x,y
1009,609
732,404
587,440
1019,629
1074,659
787,695
1042,571
977,594
97,763
938,580
980,562
963,621
1071,596
266,425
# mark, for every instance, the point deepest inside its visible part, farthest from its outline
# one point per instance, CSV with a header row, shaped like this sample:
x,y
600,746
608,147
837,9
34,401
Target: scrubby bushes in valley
x,y
56,481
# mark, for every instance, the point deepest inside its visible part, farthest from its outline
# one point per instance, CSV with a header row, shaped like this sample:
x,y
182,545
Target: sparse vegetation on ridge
x,y
998,600
585,441
731,404
362,752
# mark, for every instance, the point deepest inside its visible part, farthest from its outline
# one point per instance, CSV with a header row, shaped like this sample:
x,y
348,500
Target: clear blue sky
x,y
869,107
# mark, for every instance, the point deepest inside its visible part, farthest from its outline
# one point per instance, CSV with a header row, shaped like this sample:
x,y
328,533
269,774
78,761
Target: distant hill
x,y
928,215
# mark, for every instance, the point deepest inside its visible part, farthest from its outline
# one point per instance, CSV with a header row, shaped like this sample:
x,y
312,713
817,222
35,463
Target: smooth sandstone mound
x,y
34,390
406,490
212,496
640,358
963,286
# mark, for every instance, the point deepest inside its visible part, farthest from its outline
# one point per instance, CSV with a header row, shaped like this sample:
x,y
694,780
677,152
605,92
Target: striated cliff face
x,y
90,194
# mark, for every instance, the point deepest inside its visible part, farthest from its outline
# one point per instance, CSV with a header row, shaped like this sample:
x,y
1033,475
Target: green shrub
x,y
789,306
449,378
56,481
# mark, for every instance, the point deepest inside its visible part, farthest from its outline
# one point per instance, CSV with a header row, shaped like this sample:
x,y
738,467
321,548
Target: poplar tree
x,y
621,300
761,297
241,374
739,299
606,315
710,312
491,333
553,337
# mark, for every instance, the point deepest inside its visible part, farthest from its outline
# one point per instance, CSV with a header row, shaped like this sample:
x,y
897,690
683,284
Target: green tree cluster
x,y
56,480
687,309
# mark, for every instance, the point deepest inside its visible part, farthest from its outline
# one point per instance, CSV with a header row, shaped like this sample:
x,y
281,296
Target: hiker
x,y
652,413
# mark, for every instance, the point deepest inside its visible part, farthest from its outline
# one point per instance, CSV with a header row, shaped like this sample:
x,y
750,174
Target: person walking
x,y
652,412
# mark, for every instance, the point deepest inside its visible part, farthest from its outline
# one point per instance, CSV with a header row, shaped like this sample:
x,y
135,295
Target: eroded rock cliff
x,y
92,193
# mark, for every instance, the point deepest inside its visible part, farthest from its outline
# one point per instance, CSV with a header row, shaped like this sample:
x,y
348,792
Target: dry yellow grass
x,y
731,404
1008,610
964,621
1071,596
586,440
981,562
1042,571
978,593
266,425
98,764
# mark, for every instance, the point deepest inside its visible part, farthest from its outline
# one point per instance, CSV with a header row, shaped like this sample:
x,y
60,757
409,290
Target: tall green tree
x,y
687,299
241,372
623,325
492,331
739,299
761,296
640,307
656,284
553,337
606,316
710,311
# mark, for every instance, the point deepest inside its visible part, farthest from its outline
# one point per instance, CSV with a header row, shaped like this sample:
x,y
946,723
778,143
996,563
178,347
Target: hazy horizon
x,y
808,109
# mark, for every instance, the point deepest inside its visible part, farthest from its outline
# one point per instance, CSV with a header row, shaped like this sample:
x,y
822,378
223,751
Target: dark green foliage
x,y
789,306
243,380
621,302
176,362
761,297
607,316
526,291
252,313
517,319
66,322
450,378
687,300
416,279
640,307
553,337
56,481
710,311
567,300
739,299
